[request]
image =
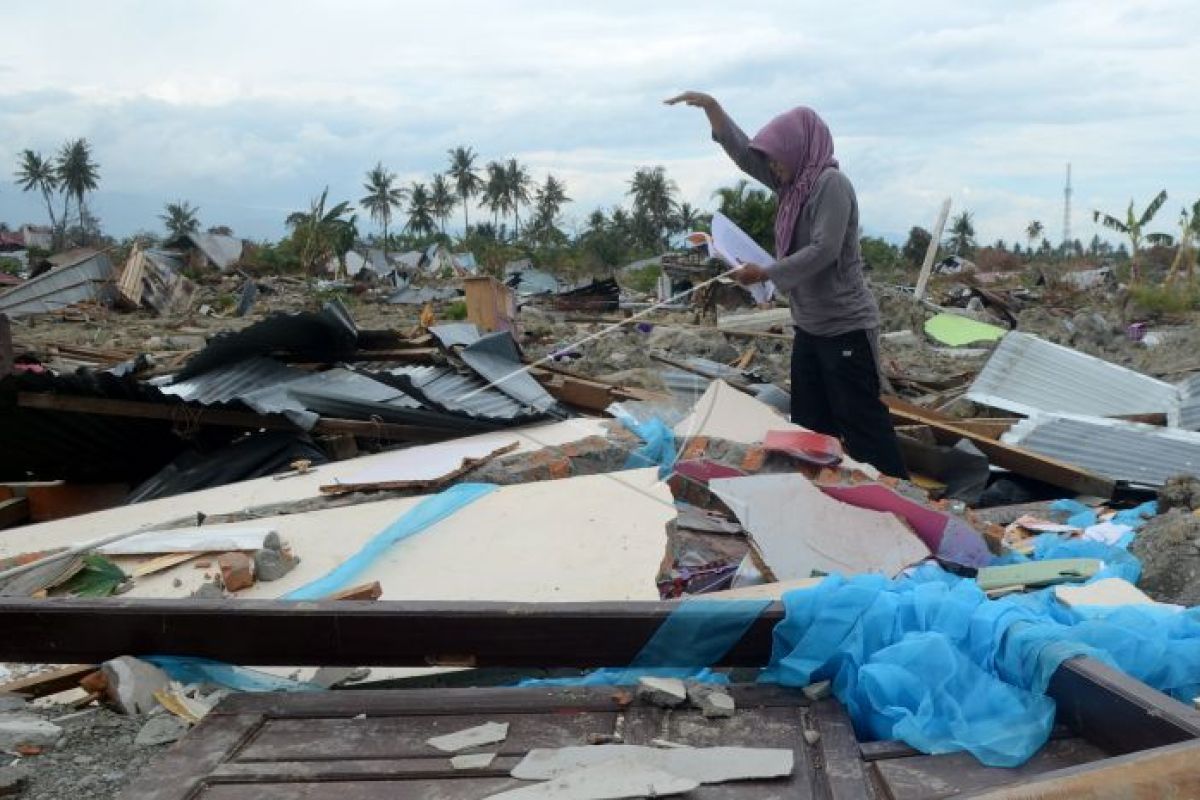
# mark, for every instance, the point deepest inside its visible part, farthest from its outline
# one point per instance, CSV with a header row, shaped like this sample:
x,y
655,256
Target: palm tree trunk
x,y
385,238
466,219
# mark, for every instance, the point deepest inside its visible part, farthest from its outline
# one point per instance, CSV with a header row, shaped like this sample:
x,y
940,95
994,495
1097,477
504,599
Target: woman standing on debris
x,y
835,360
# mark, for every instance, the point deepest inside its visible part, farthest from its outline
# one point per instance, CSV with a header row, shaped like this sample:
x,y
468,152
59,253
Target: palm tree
x,y
495,191
420,211
467,182
962,234
1189,233
180,217
77,173
653,202
1033,232
322,234
383,197
687,218
1134,226
34,172
441,200
517,184
549,198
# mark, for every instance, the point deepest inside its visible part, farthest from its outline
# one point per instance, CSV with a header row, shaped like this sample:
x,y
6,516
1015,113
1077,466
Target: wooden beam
x,y
1116,712
1161,772
248,420
931,251
14,511
1015,459
347,633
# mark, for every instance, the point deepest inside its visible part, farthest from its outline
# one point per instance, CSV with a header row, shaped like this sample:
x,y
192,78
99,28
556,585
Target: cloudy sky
x,y
248,109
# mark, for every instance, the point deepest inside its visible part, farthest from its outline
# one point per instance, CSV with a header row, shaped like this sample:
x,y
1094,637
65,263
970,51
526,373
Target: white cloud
x,y
249,109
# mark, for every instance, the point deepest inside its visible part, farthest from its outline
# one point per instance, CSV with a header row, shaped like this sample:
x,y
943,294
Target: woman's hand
x,y
695,99
750,274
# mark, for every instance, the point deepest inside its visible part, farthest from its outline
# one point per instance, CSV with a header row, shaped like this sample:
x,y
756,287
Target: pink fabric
x,y
800,140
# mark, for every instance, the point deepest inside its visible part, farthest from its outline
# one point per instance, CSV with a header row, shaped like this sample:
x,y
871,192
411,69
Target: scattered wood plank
x,y
468,464
364,591
48,683
160,563
193,416
1015,459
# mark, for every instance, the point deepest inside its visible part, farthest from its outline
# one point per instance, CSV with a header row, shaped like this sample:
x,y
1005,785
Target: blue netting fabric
x,y
930,660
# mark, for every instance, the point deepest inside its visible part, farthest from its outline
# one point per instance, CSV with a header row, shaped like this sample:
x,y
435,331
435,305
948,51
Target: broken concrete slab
x,y
10,701
14,779
132,684
702,764
614,779
664,692
161,729
487,733
333,677
18,729
473,761
713,702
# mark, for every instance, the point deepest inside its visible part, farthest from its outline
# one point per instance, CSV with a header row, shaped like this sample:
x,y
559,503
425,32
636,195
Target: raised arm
x,y
733,139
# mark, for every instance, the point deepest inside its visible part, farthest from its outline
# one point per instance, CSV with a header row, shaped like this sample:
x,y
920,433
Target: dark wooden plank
x,y
180,772
843,766
404,737
425,789
354,769
1172,771
265,632
14,511
247,420
1118,713
954,774
1017,459
891,748
413,702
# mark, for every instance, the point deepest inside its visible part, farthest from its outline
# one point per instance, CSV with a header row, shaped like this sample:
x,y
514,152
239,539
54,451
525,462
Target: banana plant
x,y
1134,226
1189,234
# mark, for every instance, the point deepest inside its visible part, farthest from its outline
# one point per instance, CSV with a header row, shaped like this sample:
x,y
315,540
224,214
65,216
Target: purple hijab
x,y
800,140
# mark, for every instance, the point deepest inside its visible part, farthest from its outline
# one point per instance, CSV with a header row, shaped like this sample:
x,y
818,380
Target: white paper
x,y
1107,532
734,246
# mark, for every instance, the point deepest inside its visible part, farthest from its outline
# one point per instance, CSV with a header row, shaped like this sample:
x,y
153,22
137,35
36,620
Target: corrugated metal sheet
x,y
496,359
223,251
449,390
1189,403
450,334
1139,455
89,279
260,383
1026,375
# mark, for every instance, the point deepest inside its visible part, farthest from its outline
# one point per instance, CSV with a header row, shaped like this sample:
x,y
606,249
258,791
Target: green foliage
x,y
962,234
1164,300
644,279
281,258
10,265
382,197
915,247
752,210
180,218
98,578
879,255
456,311
320,234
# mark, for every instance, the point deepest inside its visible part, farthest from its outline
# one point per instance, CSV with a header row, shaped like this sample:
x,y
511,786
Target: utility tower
x,y
1067,210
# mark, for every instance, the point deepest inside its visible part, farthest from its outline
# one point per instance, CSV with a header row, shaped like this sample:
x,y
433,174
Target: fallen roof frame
x,y
1122,713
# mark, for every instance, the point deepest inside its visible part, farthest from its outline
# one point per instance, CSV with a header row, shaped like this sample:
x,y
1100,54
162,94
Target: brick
x,y
237,571
754,459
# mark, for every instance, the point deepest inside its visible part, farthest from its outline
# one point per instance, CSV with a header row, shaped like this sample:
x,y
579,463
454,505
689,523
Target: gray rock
x,y
272,541
209,591
161,729
132,684
17,729
714,703
664,692
271,565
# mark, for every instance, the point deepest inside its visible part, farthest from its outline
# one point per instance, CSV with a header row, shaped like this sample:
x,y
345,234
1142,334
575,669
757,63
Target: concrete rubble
x,y
634,462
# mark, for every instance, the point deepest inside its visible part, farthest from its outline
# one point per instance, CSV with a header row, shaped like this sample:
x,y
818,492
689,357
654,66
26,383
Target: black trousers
x,y
835,390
